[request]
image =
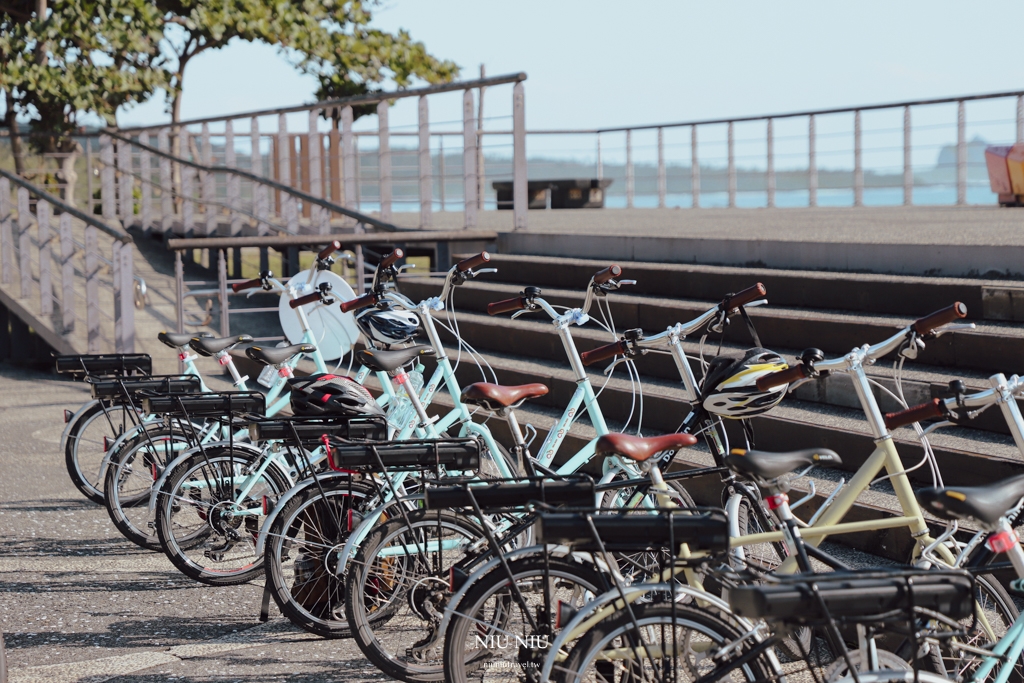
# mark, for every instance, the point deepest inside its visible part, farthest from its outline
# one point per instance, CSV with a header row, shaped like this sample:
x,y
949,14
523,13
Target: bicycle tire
x,y
298,549
214,529
581,662
121,473
396,598
84,451
3,660
467,622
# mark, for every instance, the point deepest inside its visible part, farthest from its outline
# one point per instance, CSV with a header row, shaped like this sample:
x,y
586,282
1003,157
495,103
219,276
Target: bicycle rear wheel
x,y
87,443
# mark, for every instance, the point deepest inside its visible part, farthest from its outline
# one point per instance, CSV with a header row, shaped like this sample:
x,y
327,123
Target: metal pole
x,y
166,186
179,294
426,179
908,169
348,156
694,168
481,169
812,164
600,161
732,166
961,154
1020,118
470,179
384,160
629,169
440,167
107,191
284,155
208,183
234,183
858,170
771,165
662,180
259,192
520,195
222,286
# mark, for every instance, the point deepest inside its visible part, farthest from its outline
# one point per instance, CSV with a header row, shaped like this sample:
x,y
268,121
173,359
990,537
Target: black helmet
x,y
730,385
387,326
332,395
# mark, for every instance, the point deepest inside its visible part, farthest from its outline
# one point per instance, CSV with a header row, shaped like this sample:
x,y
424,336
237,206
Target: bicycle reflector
x,y
106,444
1001,541
67,416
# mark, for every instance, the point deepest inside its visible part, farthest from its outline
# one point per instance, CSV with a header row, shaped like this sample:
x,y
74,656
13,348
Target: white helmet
x,y
387,326
730,385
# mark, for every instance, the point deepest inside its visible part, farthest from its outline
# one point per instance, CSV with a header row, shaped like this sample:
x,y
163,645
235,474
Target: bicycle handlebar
x,y
473,262
359,302
248,284
391,259
745,297
329,249
939,318
787,376
932,409
612,271
604,352
303,300
517,303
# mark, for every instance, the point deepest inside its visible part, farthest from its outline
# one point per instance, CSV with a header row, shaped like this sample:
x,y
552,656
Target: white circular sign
x,y
334,332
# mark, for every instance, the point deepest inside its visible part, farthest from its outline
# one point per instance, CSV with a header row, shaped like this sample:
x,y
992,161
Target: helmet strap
x,y
750,326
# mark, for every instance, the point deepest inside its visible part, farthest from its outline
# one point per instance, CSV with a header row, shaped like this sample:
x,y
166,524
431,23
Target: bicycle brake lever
x,y
484,270
953,327
754,304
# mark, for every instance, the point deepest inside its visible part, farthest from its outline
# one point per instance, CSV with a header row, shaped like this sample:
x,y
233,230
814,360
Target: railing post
x,y
124,299
6,233
1020,118
166,189
771,164
812,163
92,288
260,204
858,169
179,292
222,293
694,168
908,168
629,169
24,242
314,170
470,179
426,181
188,174
520,194
145,186
67,273
662,180
234,183
125,184
384,160
45,261
732,165
208,183
600,161
961,154
357,172
348,157
284,154
107,176
90,204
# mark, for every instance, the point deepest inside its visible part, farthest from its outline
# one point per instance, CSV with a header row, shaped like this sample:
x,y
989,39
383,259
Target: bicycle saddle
x,y
765,465
176,341
206,346
641,448
389,361
984,503
496,396
275,355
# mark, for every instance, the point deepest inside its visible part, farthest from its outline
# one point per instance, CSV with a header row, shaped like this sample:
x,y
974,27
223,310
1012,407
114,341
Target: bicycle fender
x,y
358,534
73,421
295,490
116,446
159,484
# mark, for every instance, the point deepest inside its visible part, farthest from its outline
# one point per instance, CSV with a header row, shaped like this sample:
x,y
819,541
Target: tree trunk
x,y
11,121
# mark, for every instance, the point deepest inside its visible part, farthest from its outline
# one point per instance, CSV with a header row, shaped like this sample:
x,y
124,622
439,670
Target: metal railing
x,y
64,271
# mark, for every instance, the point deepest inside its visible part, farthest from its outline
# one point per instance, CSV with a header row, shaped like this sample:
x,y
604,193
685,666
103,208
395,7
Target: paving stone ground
x,y
78,603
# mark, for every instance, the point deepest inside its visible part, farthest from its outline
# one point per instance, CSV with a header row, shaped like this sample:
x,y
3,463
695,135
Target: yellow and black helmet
x,y
730,385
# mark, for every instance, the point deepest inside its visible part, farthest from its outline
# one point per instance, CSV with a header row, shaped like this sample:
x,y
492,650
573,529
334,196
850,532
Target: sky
x,y
594,63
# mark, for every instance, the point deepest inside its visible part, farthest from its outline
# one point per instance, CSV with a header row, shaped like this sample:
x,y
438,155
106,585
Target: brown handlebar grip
x,y
329,249
303,300
940,318
473,262
743,298
607,274
248,284
359,302
926,411
791,374
603,352
516,303
391,258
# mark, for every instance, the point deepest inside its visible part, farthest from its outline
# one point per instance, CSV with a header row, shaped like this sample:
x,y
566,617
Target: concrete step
x,y
904,295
